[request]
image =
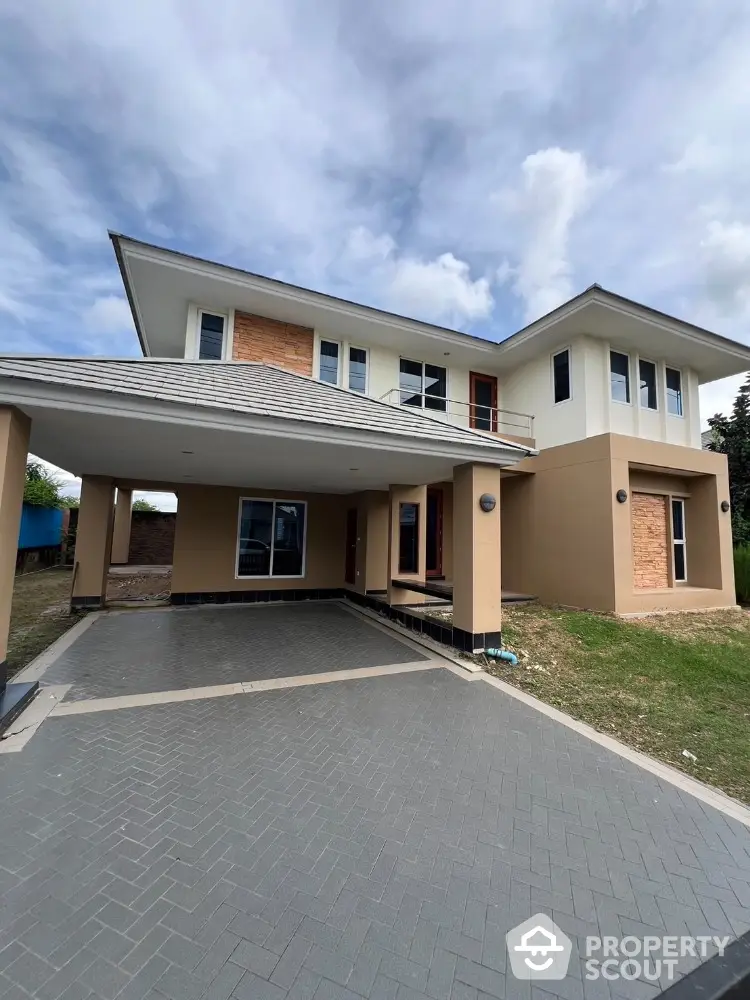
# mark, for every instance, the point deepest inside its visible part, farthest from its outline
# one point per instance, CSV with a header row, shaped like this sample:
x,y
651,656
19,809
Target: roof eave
x,y
125,275
24,391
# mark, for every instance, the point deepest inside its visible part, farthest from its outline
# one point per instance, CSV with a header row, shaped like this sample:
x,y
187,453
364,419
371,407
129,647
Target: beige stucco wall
x,y
557,527
205,545
14,444
94,537
567,540
476,549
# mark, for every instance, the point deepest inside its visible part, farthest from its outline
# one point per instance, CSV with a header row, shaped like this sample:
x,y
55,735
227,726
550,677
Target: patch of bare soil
x,y
139,587
708,626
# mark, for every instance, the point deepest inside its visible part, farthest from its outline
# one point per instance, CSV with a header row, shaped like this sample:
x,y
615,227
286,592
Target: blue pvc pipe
x,y
503,654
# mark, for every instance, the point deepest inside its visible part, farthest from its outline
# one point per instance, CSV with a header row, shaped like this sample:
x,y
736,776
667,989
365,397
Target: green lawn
x,y
662,685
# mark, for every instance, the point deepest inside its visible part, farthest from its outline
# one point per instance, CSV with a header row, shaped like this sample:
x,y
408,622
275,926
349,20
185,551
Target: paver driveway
x,y
367,838
167,650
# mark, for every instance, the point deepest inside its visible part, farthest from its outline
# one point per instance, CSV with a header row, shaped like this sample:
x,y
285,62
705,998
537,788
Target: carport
x,y
268,467
177,649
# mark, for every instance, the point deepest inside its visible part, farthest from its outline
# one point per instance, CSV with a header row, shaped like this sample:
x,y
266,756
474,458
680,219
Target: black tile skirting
x,y
86,602
438,631
464,641
256,596
724,977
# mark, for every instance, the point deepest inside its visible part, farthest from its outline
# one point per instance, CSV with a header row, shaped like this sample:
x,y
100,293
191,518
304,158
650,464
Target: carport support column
x,y
93,542
476,558
14,446
406,495
121,531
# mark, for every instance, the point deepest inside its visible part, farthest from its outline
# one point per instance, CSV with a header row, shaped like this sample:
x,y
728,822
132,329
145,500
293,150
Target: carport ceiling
x,y
164,452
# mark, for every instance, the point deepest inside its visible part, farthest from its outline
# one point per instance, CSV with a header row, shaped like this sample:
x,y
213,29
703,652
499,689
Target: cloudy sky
x,y
471,162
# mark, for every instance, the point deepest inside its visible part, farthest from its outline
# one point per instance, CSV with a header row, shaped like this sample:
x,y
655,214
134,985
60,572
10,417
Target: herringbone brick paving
x,y
168,650
366,839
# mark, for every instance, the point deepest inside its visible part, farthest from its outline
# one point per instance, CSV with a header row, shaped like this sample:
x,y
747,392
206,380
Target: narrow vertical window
x,y
408,538
357,369
211,337
329,362
674,392
647,384
678,541
619,376
561,376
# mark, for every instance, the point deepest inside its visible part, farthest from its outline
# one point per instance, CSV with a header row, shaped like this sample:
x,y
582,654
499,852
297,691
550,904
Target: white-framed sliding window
x,y
619,377
341,363
648,398
562,383
673,379
271,539
679,553
423,385
210,333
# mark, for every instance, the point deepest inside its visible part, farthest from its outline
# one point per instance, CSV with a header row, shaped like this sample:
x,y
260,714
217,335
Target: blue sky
x,y
471,163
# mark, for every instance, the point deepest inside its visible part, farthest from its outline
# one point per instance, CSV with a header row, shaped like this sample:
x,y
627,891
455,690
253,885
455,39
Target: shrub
x,y
742,573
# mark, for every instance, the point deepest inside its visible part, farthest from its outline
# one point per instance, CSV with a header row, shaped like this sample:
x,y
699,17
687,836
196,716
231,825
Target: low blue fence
x,y
40,527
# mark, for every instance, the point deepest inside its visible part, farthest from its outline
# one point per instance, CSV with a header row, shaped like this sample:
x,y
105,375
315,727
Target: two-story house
x,y
319,448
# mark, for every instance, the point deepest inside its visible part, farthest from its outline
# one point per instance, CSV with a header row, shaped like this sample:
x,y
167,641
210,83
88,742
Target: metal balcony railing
x,y
491,419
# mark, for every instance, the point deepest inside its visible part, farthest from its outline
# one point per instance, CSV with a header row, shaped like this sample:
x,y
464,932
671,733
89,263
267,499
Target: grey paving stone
x,y
195,647
261,874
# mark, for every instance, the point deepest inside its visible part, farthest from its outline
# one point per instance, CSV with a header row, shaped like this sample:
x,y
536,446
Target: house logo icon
x,y
538,949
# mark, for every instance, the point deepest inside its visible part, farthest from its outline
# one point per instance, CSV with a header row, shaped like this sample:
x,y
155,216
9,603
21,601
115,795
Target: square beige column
x,y
399,495
93,542
14,447
121,530
477,594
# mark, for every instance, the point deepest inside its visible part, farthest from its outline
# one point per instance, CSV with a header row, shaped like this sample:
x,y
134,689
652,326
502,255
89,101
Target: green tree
x,y
42,487
143,505
731,436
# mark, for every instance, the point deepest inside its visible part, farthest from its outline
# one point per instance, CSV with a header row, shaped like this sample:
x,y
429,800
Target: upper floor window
x,y
423,385
358,369
619,376
336,358
211,336
674,392
329,362
647,384
561,375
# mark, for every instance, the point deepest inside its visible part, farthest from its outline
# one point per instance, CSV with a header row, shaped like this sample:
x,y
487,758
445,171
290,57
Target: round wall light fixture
x,y
725,505
621,495
487,502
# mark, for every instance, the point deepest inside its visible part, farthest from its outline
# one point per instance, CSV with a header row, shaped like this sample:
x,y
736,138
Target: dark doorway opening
x,y
434,540
350,571
483,398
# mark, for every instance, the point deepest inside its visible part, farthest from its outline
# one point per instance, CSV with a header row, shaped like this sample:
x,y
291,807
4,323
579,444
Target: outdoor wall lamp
x,y
621,496
725,505
487,502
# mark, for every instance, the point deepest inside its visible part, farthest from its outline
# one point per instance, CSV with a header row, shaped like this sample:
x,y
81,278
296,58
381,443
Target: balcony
x,y
490,419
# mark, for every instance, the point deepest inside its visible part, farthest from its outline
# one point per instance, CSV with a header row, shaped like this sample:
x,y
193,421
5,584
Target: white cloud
x,y
699,155
557,186
719,397
726,261
441,290
108,314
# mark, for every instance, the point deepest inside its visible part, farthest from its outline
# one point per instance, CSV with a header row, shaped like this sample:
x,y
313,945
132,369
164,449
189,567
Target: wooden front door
x,y
434,539
350,572
483,399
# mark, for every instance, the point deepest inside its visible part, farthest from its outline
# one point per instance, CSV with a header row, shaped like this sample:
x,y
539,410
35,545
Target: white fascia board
x,y
277,289
54,396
